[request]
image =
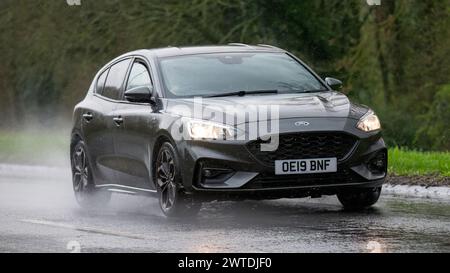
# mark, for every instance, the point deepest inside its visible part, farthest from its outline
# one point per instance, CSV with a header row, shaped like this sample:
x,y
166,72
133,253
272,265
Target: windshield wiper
x,y
243,93
313,91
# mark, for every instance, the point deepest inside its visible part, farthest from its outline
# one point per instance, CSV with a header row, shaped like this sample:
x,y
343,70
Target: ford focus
x,y
196,124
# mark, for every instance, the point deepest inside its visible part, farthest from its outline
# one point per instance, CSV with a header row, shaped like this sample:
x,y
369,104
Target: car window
x,y
215,74
115,80
139,76
101,82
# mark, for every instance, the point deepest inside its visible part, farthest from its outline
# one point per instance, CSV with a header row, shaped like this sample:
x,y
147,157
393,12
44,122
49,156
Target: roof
x,y
179,51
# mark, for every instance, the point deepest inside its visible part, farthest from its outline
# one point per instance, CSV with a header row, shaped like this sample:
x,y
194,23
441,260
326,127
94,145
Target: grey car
x,y
195,124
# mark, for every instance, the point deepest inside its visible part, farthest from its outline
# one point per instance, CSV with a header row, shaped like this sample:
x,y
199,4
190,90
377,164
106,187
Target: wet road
x,y
40,215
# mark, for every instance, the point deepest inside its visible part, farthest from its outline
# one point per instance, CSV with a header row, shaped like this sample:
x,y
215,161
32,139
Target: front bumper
x,y
243,174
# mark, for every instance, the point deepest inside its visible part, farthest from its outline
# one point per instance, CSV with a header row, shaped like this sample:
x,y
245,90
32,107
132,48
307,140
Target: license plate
x,y
306,166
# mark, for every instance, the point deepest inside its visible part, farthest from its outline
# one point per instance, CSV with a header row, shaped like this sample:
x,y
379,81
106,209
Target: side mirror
x,y
334,83
142,94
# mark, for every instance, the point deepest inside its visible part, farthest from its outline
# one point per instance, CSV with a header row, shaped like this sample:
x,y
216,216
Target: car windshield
x,y
236,74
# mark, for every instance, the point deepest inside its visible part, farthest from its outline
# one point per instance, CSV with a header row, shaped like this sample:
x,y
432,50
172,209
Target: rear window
x,y
115,80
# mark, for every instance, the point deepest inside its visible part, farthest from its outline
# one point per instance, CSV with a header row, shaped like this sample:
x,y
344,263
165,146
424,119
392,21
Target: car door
x,y
100,124
133,141
96,129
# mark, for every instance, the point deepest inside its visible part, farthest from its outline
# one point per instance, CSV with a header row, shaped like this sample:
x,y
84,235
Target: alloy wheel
x,y
166,171
80,171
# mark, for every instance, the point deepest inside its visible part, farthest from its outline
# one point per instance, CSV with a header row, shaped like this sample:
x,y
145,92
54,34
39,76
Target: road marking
x,y
83,229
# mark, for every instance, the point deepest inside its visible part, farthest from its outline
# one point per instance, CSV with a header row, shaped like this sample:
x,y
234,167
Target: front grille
x,y
305,146
268,181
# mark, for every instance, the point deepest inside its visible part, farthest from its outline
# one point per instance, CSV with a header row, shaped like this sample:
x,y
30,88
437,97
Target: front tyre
x,y
172,199
359,198
86,194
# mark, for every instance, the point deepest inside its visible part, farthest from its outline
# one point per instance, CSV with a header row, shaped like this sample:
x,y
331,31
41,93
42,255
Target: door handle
x,y
88,117
118,121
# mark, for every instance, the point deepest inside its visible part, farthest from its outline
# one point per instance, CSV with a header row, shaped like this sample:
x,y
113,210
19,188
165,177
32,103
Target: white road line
x,y
83,229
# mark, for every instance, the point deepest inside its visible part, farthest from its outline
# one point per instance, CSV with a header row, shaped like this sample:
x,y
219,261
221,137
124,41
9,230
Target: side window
x,y
139,76
115,79
101,82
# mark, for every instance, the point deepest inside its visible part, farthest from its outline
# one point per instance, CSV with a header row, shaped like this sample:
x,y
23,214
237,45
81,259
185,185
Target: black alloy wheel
x,y
172,199
86,194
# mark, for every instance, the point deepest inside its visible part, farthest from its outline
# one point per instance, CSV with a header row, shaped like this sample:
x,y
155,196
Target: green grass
x,y
409,163
36,147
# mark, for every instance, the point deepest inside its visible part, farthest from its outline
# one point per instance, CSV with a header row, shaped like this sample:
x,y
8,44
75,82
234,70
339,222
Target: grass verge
x,y
34,147
404,162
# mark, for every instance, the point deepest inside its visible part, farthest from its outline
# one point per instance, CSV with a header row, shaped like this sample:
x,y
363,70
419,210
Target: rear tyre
x,y
359,198
172,199
86,194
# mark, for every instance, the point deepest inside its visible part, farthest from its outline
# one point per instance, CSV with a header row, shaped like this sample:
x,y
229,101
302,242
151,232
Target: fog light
x,y
216,175
378,164
208,173
213,173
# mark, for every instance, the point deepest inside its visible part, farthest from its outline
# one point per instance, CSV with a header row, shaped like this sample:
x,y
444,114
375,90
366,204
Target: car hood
x,y
237,109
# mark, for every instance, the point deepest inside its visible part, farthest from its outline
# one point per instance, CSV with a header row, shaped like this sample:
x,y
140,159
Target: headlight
x,y
369,122
201,129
